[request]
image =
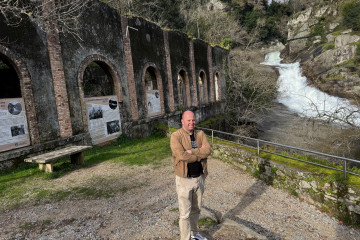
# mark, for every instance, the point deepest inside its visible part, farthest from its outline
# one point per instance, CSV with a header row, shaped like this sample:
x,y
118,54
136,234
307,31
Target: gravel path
x,y
146,208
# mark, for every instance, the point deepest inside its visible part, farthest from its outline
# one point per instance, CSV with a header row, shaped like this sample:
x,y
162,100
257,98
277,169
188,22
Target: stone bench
x,y
45,160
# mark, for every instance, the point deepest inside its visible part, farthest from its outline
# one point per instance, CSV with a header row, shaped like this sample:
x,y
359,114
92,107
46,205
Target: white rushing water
x,y
308,101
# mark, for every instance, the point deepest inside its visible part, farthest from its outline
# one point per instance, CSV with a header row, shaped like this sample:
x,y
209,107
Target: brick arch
x,y
205,86
26,92
159,84
114,75
187,84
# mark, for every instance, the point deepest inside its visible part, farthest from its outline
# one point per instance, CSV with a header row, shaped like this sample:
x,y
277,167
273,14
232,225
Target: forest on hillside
x,y
228,22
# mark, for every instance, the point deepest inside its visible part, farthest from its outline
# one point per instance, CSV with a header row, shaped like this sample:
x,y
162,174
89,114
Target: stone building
x,y
125,75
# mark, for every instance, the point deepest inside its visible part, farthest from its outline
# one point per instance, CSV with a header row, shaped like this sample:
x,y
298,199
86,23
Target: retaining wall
x,y
335,198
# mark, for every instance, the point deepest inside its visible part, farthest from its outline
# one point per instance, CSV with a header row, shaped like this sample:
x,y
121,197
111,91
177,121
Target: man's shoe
x,y
197,236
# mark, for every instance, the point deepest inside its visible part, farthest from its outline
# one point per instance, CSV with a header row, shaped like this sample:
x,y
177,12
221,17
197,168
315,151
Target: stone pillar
x,y
57,69
169,73
129,68
211,75
192,62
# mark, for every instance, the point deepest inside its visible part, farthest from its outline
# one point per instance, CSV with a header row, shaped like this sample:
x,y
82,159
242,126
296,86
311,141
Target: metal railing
x,y
261,145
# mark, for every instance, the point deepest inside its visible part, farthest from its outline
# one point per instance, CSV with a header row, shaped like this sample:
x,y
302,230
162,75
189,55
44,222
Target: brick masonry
x,y
129,68
57,69
192,61
169,73
211,75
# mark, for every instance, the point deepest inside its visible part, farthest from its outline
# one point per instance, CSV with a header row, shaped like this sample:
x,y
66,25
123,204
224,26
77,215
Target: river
x,y
302,112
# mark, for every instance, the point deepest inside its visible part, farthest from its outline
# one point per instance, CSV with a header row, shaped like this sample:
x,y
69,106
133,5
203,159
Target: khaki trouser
x,y
190,192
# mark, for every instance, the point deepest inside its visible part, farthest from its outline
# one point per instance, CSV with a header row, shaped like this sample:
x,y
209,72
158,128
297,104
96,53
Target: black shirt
x,y
195,168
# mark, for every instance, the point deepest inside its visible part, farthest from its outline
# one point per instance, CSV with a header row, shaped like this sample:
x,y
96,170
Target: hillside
x,y
327,45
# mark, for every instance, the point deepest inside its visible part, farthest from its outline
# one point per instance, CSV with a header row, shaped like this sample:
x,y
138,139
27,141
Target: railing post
x,y
345,169
212,136
258,147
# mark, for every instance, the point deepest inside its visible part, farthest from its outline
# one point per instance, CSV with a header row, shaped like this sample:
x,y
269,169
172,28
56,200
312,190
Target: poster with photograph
x,y
153,102
13,124
103,118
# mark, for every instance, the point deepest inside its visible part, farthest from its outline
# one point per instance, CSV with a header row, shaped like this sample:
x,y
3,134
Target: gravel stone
x,y
145,207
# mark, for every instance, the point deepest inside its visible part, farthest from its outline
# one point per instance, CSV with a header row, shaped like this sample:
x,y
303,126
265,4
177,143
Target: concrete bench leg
x,y
42,166
48,167
77,158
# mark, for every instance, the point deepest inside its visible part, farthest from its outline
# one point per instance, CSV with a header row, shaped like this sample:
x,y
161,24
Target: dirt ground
x,y
144,206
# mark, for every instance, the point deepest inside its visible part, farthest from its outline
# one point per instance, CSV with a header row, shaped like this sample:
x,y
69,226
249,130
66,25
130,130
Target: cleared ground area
x,y
139,202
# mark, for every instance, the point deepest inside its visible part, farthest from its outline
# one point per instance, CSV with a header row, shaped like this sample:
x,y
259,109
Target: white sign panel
x,y
153,102
13,124
103,118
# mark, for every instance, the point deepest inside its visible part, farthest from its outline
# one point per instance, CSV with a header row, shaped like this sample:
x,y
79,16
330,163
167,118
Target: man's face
x,y
188,121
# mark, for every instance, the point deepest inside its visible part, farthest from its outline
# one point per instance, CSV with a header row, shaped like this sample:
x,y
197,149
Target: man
x,y
190,150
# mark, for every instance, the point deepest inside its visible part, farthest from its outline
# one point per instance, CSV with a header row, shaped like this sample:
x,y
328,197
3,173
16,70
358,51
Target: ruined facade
x,y
125,75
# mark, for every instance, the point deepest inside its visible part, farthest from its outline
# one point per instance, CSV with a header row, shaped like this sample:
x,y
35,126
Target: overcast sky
x,y
275,1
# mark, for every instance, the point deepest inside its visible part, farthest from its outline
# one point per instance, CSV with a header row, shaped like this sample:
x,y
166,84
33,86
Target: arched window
x,y
217,89
102,105
97,80
153,93
150,79
14,126
182,94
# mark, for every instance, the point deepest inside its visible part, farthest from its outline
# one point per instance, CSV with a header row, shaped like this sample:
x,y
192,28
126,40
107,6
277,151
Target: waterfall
x,y
306,100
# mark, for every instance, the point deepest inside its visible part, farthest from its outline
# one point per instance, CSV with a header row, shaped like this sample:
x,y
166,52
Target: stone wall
x,y
51,74
335,198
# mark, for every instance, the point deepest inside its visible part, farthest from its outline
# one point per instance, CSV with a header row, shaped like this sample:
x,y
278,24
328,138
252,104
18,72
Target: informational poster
x,y
13,124
153,102
104,118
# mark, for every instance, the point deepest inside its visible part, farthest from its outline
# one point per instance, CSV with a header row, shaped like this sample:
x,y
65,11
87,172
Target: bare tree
x,y
250,93
344,116
65,12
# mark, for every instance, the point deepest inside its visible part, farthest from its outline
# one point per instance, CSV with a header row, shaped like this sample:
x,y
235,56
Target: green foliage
x,y
317,30
328,46
251,18
206,222
278,10
226,43
161,129
293,192
351,15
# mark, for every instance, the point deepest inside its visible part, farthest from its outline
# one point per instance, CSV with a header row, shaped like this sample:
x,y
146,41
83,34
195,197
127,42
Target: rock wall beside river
x,y
329,54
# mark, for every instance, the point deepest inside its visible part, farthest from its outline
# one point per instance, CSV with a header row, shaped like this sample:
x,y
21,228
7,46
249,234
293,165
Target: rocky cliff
x,y
329,53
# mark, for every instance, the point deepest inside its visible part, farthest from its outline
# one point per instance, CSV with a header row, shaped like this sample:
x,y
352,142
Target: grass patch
x,y
335,76
206,222
27,183
137,152
326,175
328,46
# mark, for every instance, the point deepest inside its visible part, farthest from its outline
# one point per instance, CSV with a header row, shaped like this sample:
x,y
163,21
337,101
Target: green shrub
x,y
317,30
351,15
226,43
